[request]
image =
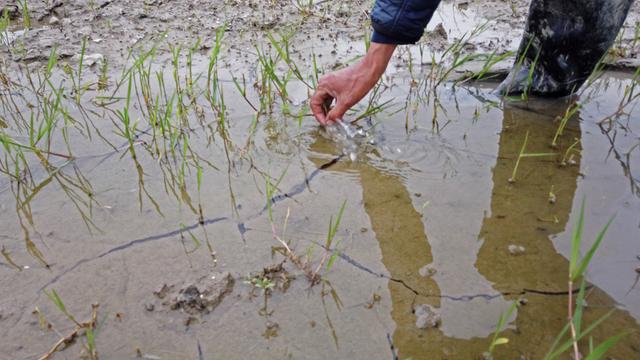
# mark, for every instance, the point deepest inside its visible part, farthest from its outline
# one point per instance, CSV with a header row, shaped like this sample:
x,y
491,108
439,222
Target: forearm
x,y
349,85
377,59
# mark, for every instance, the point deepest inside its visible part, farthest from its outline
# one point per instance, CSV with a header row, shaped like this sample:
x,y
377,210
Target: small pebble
x,y
427,271
516,249
426,317
523,301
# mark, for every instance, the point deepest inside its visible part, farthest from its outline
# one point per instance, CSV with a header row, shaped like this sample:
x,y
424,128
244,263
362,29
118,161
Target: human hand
x,y
349,85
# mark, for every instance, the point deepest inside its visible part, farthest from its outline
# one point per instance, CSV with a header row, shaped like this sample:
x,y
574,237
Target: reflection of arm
x,y
401,22
395,222
398,228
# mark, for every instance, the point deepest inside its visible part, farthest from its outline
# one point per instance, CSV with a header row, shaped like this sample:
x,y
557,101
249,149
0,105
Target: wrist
x,y
378,57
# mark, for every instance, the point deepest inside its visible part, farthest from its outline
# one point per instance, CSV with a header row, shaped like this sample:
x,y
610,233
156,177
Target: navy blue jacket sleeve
x,y
401,21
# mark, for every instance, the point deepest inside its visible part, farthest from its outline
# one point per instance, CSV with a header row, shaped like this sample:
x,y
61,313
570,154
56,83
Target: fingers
x,y
318,105
338,111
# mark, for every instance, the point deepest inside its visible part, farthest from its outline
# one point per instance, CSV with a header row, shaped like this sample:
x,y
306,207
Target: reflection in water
x,y
525,214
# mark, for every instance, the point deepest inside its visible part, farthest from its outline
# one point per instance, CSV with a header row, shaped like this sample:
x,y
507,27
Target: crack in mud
x,y
392,347
242,229
133,243
296,189
469,297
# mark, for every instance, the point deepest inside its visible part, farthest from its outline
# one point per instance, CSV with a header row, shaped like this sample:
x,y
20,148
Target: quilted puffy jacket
x,y
401,21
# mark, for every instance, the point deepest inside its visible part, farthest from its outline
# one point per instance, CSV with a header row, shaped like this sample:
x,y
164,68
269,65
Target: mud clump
x,y
271,330
426,317
275,274
197,298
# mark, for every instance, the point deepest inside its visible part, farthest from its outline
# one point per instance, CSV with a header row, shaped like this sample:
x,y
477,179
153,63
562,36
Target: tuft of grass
x,y
333,229
305,264
577,268
86,329
305,7
520,62
261,283
57,301
282,47
26,18
491,61
572,109
456,52
103,79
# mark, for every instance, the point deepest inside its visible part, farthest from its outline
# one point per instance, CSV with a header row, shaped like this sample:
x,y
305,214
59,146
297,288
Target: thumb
x,y
337,112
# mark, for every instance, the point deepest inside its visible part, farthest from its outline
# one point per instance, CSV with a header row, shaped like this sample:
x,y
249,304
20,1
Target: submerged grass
x,y
524,154
84,330
571,111
502,322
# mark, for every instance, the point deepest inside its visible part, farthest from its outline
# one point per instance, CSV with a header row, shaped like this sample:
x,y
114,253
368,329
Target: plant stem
x,y
576,352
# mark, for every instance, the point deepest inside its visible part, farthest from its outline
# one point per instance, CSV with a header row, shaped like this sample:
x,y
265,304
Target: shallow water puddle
x,y
158,196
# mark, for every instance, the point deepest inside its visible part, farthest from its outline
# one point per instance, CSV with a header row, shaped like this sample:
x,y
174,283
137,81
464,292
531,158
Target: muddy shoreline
x,y
113,28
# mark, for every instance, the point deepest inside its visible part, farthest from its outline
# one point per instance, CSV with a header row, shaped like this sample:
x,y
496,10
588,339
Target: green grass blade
x,y
333,227
601,349
588,330
501,324
576,240
577,316
538,154
332,259
562,333
587,258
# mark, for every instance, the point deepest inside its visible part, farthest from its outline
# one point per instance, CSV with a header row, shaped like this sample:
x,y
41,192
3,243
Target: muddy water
x,y
430,218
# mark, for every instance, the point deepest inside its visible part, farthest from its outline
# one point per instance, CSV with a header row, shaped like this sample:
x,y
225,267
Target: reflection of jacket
x,y
401,21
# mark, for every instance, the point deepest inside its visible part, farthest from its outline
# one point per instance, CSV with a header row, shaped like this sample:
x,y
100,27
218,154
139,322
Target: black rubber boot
x,y
563,42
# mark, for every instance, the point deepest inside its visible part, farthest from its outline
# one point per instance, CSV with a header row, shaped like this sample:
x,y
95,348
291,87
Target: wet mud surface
x,y
113,28
192,202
